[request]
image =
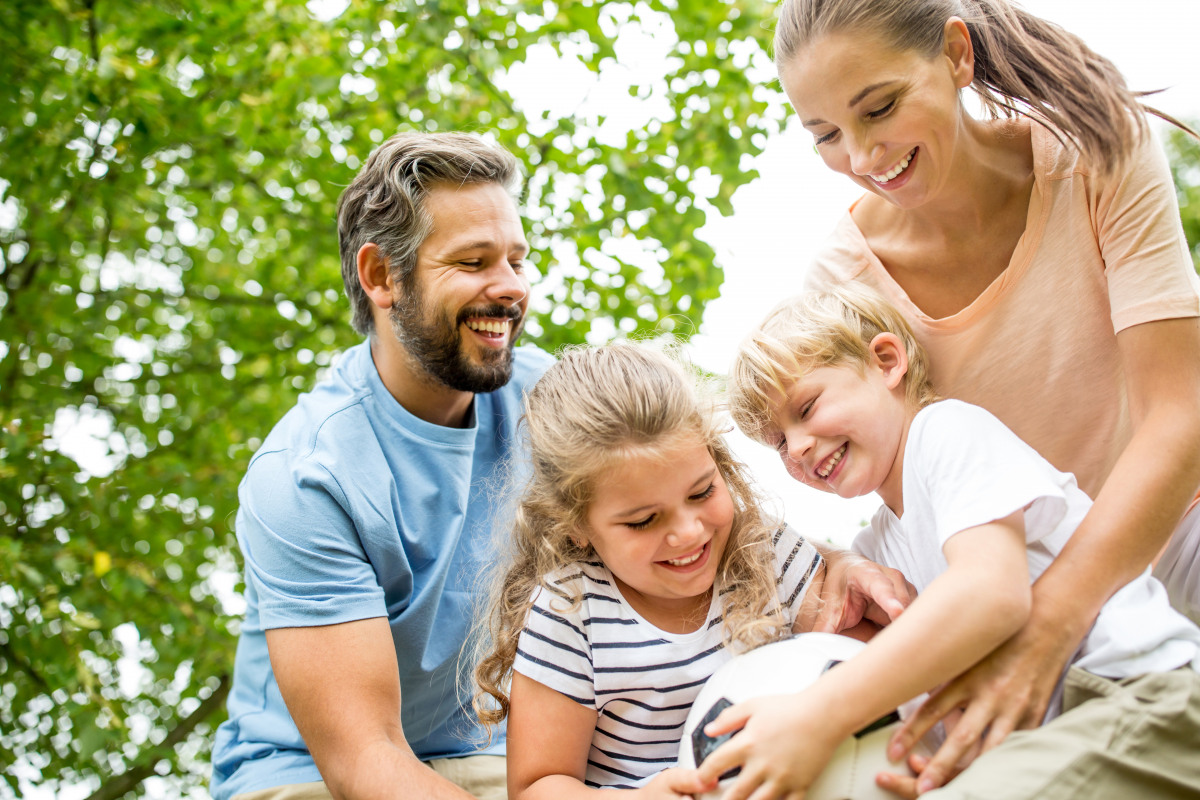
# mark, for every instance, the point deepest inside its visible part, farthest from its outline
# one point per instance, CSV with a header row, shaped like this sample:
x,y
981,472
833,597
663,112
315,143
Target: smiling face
x,y
842,430
462,309
889,119
660,523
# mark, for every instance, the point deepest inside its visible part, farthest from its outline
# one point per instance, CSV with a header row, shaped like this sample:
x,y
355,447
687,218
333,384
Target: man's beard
x,y
437,345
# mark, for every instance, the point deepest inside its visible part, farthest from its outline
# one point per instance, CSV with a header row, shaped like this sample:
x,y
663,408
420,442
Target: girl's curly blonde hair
x,y
589,413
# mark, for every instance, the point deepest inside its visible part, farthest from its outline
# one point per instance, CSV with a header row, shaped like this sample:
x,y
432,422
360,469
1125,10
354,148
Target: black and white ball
x,y
784,667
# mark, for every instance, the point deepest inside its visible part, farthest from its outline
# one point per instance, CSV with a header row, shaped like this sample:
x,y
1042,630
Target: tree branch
x,y
12,655
126,782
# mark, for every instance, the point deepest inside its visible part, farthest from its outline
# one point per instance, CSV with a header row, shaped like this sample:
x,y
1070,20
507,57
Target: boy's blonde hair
x,y
832,327
591,411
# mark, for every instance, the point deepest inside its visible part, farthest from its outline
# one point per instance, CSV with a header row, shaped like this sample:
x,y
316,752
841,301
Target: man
x,y
365,516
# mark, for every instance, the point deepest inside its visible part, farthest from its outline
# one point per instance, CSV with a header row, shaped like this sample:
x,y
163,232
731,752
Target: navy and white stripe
x,y
640,680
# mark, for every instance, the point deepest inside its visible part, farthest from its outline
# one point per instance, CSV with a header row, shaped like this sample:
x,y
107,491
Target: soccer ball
x,y
785,667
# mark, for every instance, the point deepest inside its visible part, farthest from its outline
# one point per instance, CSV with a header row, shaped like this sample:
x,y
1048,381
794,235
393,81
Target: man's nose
x,y
507,283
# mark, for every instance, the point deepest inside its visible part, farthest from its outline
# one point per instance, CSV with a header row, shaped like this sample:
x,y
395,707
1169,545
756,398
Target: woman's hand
x,y
766,748
857,589
1009,689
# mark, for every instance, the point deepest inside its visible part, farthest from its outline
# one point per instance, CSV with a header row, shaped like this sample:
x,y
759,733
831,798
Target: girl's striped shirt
x,y
640,680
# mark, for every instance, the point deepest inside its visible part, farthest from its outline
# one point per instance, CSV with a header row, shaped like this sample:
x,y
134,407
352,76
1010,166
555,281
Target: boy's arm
x,y
981,600
549,737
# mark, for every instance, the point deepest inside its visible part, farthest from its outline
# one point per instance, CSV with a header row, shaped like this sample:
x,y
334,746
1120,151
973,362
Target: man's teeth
x,y
683,562
831,462
896,170
489,326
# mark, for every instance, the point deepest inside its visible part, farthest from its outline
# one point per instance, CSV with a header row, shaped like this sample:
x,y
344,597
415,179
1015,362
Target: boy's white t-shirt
x,y
963,468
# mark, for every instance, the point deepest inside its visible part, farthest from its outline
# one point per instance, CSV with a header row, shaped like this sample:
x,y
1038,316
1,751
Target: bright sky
x,y
777,227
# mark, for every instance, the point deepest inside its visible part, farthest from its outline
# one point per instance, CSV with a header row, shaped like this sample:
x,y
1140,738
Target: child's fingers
x,y
724,758
766,791
748,786
688,782
731,719
829,616
890,593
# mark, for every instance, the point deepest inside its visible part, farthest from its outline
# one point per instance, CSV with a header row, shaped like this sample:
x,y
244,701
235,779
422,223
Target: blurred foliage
x,y
1183,151
169,284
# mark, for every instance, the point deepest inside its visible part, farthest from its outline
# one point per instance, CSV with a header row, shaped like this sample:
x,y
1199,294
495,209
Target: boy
x,y
838,384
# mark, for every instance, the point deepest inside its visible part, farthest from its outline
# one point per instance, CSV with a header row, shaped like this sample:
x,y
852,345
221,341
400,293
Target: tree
x,y
169,283
1183,151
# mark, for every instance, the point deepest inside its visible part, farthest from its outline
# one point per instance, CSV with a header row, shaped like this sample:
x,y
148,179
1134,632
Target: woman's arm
x,y
981,600
1133,517
549,737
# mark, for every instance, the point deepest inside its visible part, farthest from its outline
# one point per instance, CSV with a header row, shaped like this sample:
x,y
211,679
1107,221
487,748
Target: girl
x,y
1040,260
640,560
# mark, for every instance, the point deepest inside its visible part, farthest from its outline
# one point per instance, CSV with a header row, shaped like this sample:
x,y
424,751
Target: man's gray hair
x,y
386,202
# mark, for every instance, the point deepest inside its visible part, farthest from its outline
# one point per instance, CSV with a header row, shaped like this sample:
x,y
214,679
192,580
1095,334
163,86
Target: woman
x,y
1040,259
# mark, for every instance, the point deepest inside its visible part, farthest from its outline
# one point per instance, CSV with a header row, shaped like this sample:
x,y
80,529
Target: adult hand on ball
x,y
856,589
1008,690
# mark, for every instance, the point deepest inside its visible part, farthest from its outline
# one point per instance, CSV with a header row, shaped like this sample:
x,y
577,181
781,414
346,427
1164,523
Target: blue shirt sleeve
x,y
302,550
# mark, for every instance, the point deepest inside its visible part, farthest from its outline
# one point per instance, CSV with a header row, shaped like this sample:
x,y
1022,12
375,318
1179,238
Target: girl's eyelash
x,y
642,524
826,138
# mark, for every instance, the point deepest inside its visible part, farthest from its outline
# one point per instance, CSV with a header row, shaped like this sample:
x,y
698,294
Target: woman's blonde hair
x,y
817,329
1023,64
590,412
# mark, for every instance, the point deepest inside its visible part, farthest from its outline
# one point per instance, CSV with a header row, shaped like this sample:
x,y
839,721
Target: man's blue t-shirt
x,y
353,509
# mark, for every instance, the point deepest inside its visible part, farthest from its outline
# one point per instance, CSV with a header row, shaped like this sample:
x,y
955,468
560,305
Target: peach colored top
x,y
1038,347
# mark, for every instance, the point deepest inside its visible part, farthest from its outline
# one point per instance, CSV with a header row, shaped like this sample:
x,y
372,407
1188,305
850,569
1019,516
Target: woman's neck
x,y
947,251
992,170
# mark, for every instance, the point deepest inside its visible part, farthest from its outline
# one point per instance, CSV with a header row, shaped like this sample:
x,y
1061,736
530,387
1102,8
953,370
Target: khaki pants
x,y
484,777
1116,740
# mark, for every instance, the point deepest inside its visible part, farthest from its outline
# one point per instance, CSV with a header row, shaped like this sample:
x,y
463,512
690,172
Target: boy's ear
x,y
374,276
889,355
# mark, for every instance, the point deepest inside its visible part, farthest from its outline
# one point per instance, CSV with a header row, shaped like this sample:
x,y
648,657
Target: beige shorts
x,y
483,776
1116,740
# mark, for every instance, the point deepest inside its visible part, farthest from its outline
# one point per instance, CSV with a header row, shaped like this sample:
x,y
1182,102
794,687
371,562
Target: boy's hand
x,y
773,765
675,784
857,589
1008,690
